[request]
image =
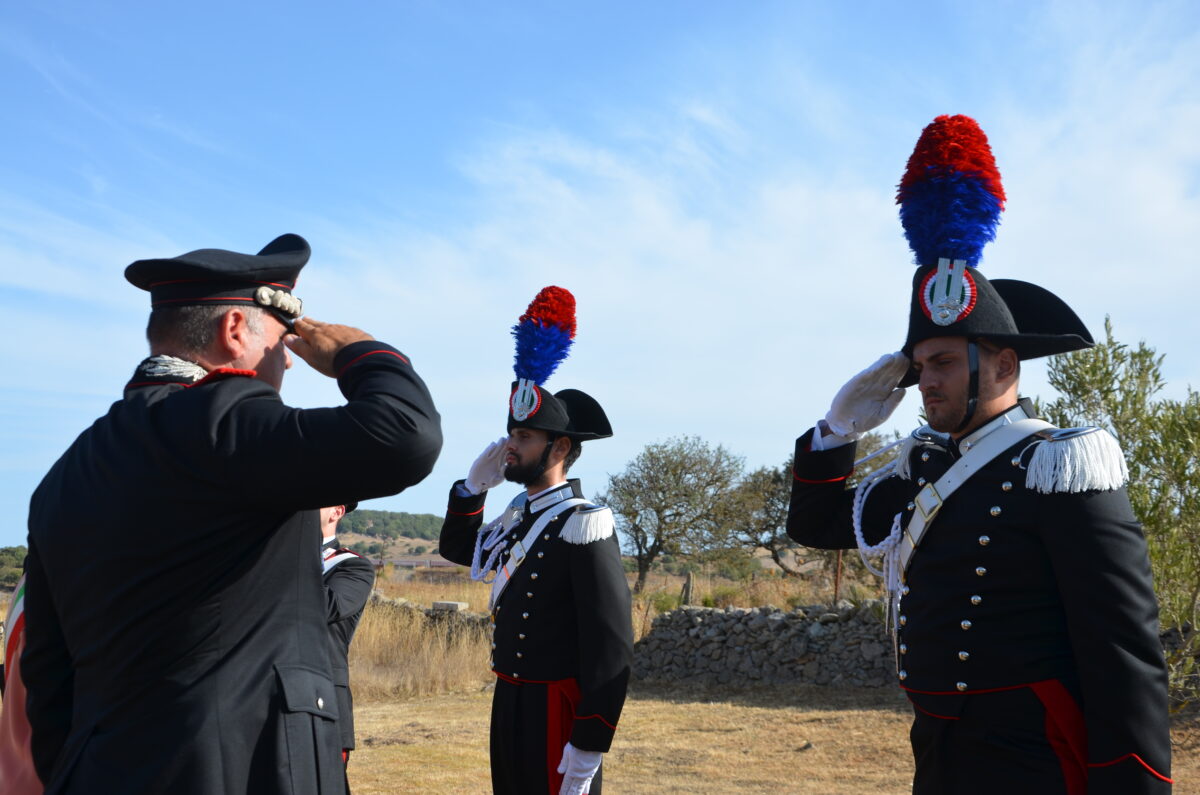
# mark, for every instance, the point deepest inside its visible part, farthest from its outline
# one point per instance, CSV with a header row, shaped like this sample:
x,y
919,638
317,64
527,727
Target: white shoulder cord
x,y
887,549
488,538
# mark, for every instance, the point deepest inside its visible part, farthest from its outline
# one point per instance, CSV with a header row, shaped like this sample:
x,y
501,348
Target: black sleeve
x,y
46,670
383,440
820,511
347,588
602,613
1103,572
464,516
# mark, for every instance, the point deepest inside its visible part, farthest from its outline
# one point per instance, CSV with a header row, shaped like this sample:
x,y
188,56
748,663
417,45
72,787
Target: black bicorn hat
x,y
544,335
211,276
950,203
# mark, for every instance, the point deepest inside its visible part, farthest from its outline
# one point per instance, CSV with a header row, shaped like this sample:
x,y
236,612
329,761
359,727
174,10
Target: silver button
x,y
1016,461
529,594
320,703
541,554
903,620
925,456
904,591
519,655
533,576
961,686
964,656
980,570
975,600
904,648
520,636
1006,485
965,624
920,481
984,540
995,511
903,675
966,446
516,676
524,615
546,537
911,506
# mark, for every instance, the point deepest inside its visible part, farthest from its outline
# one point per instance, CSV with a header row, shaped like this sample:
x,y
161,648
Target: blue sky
x,y
713,180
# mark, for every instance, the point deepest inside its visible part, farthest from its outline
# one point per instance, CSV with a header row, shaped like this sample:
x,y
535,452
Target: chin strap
x,y
972,386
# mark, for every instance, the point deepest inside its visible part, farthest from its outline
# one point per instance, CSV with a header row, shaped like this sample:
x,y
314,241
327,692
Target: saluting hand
x,y
869,398
318,343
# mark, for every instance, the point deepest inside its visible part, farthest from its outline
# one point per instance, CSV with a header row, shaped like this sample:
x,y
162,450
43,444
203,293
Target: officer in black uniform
x,y
1025,617
176,634
349,579
562,643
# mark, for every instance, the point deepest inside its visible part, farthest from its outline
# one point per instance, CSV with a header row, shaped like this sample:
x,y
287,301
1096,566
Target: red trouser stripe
x,y
561,699
1066,732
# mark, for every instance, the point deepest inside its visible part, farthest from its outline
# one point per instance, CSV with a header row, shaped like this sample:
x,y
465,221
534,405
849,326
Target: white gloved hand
x,y
578,768
869,398
488,469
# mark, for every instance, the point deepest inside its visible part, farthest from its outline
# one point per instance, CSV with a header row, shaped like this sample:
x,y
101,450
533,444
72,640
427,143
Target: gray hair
x,y
191,329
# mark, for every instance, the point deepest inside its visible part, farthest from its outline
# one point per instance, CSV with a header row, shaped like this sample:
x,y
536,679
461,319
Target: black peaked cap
x,y
217,276
569,412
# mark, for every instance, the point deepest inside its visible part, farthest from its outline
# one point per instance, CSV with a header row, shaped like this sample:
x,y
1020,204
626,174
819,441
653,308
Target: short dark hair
x,y
572,454
192,328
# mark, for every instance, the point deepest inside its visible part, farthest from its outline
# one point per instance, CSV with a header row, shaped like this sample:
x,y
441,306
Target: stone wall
x,y
822,645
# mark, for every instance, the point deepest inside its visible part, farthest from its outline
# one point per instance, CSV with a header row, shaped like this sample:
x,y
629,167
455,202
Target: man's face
x,y
523,462
944,380
266,354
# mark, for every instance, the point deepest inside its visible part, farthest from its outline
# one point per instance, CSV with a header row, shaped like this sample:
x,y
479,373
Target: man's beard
x,y
525,474
949,414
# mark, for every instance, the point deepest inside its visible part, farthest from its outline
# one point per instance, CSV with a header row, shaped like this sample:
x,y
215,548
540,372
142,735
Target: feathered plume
x,y
950,196
544,334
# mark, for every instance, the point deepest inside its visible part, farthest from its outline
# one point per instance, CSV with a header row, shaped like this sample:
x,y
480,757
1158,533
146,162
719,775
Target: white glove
x,y
488,469
869,398
578,768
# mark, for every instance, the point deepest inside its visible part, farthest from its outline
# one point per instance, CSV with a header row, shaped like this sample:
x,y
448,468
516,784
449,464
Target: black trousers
x,y
531,722
984,744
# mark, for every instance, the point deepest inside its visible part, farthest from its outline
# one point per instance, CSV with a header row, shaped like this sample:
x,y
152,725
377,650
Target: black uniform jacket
x,y
565,614
176,633
1012,587
348,584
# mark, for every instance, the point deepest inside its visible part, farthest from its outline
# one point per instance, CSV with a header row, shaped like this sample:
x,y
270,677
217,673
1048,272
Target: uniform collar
x,y
554,495
1023,410
330,543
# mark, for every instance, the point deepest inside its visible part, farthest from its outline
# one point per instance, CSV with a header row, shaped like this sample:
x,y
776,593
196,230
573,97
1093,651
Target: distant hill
x,y
392,524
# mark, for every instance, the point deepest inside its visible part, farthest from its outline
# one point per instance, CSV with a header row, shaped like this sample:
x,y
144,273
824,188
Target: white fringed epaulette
x,y
587,524
1074,460
919,438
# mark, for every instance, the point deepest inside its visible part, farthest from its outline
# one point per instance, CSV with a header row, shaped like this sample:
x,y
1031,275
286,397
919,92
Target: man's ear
x,y
1007,365
232,334
562,446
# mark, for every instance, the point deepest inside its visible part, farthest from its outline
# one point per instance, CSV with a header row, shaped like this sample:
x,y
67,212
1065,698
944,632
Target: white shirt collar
x,y
1017,412
547,497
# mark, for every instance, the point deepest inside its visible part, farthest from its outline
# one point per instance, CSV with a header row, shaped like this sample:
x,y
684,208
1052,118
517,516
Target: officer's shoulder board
x,y
1072,460
587,524
1057,460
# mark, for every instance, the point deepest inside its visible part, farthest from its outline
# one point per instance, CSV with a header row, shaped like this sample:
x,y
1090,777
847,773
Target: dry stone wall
x,y
821,645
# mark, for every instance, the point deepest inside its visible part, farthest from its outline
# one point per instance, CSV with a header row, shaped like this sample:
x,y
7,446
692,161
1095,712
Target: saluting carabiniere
x,y
562,643
1025,620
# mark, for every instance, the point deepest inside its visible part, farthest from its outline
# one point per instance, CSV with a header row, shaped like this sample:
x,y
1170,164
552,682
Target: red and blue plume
x,y
950,196
544,334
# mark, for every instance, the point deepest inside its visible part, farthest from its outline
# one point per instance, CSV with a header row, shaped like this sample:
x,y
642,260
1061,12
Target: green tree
x,y
675,498
1116,387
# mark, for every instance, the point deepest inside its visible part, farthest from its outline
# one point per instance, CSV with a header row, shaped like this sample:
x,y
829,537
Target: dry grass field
x,y
803,740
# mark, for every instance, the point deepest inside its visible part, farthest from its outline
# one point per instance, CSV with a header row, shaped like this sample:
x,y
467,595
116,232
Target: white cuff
x,y
822,442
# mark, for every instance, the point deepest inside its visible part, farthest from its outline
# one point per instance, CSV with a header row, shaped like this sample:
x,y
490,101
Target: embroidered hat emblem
x,y
948,294
525,401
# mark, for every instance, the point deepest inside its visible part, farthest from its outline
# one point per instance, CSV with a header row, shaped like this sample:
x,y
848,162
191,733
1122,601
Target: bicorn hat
x,y
950,203
544,335
211,276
